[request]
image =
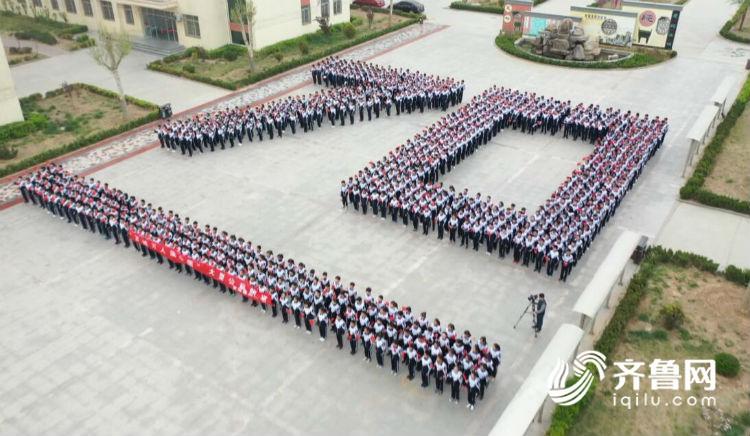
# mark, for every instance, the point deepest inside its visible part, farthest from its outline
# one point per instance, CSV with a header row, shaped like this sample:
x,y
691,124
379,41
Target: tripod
x,y
533,315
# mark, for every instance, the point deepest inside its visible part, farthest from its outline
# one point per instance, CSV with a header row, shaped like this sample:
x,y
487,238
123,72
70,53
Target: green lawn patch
x,y
228,66
58,123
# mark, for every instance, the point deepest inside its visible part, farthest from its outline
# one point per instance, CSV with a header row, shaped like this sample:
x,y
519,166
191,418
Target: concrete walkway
x,y
717,234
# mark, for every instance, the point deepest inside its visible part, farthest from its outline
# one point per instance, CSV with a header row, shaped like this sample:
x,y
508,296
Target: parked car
x,y
409,6
371,3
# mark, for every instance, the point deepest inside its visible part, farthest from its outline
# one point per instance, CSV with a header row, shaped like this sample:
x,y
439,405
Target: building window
x,y
306,16
70,6
336,7
87,9
128,14
325,9
107,12
192,26
55,6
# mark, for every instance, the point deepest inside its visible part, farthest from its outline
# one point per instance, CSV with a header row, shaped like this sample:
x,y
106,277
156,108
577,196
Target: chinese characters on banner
x,y
244,287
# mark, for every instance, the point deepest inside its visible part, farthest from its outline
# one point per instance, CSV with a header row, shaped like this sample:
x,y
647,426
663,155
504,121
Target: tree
x,y
109,52
370,17
390,14
744,12
243,13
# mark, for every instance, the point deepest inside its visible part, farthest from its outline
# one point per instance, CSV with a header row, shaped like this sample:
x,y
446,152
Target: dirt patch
x,y
715,322
72,117
731,175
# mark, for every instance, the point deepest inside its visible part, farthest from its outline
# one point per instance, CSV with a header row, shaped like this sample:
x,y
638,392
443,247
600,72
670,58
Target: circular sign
x,y
609,26
662,26
508,9
506,18
647,18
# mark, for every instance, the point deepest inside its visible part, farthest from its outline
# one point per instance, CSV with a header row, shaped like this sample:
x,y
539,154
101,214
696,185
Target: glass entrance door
x,y
159,24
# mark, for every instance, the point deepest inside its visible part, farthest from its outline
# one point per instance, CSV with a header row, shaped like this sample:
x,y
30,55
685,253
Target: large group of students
x,y
404,185
398,338
356,90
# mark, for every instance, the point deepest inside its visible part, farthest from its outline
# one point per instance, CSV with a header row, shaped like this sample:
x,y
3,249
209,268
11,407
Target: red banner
x,y
245,288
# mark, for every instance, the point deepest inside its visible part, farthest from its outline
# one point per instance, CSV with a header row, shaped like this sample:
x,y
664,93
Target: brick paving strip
x,y
142,139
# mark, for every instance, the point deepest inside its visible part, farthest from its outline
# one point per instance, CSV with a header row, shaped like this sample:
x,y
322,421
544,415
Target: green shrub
x,y
737,275
7,152
188,68
37,35
304,47
82,38
20,129
230,56
356,21
564,417
279,56
19,50
672,316
491,9
727,365
349,30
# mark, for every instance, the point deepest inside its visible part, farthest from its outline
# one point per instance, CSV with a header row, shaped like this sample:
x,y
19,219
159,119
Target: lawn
x,y
228,66
745,32
70,118
731,175
716,321
41,29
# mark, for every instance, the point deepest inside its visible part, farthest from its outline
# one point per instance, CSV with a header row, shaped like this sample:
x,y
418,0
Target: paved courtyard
x,y
97,340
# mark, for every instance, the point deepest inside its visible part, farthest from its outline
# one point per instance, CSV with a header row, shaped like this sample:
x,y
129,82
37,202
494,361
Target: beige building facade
x,y
10,109
190,23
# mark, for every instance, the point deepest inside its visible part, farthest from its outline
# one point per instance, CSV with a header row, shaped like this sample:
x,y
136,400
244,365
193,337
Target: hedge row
x,y
564,418
165,67
726,30
693,189
490,9
86,140
637,60
37,35
31,124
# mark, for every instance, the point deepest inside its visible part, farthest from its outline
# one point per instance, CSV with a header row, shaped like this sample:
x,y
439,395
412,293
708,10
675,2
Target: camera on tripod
x,y
532,299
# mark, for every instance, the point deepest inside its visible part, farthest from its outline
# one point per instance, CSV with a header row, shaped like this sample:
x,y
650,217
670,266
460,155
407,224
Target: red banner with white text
x,y
244,287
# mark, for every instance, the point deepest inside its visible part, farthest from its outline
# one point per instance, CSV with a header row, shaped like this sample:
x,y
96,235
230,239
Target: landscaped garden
x,y
228,66
722,176
45,30
677,307
738,28
642,56
65,120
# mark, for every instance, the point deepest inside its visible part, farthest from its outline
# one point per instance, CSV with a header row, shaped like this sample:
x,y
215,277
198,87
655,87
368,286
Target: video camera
x,y
533,297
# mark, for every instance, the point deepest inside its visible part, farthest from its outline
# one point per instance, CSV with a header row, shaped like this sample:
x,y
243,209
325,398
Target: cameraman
x,y
539,308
